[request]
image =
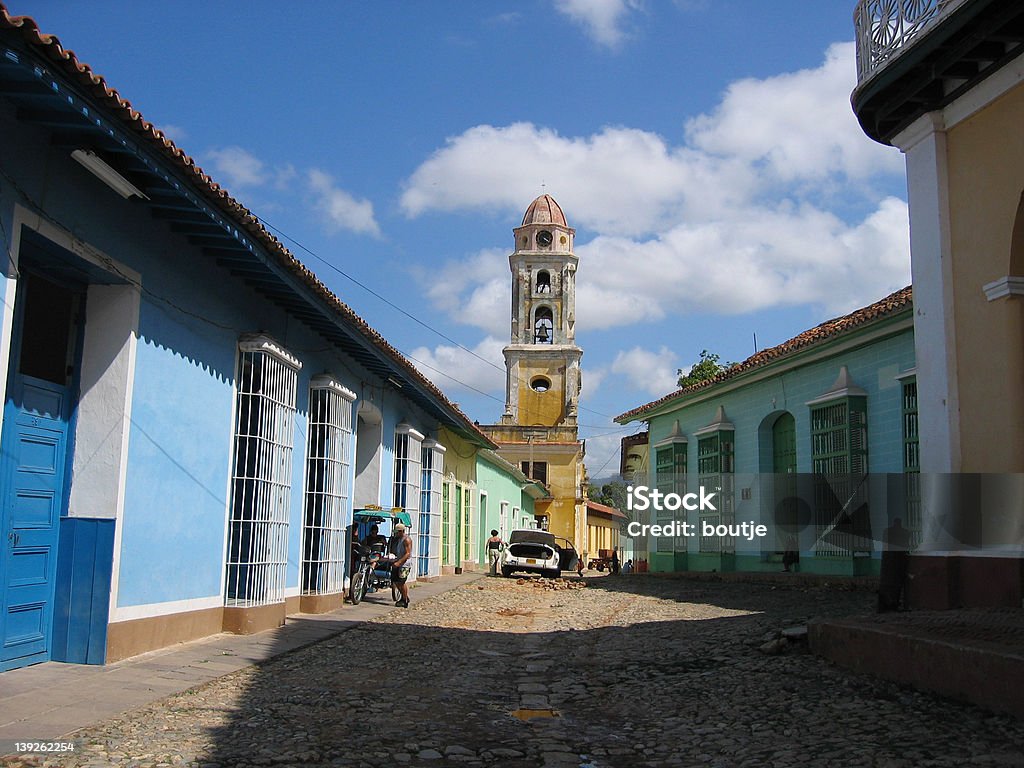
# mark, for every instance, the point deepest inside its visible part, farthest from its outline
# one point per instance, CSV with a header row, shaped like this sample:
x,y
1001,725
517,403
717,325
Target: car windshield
x,y
531,537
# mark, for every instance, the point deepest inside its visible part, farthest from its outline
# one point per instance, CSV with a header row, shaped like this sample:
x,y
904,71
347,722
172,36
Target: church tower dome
x,y
544,210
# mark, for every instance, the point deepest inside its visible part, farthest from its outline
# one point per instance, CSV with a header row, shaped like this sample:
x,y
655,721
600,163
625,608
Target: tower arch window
x,y
543,281
543,326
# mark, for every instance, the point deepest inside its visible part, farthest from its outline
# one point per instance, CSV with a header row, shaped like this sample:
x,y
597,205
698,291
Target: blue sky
x,y
704,150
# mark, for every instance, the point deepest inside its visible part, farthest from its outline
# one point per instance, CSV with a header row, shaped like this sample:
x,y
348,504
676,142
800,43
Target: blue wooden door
x,y
33,461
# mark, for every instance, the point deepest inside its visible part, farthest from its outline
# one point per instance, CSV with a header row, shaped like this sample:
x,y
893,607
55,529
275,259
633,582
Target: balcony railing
x,y
886,28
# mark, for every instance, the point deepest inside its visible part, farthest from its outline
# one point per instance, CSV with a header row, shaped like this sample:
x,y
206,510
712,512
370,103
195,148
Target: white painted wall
x,y
104,410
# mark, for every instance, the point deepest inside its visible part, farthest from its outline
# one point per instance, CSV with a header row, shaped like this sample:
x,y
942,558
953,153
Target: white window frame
x,y
483,504
328,497
428,551
257,553
503,527
407,475
449,552
469,524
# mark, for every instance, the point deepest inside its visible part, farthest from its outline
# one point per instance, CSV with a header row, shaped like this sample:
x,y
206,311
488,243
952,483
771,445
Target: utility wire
x,y
333,267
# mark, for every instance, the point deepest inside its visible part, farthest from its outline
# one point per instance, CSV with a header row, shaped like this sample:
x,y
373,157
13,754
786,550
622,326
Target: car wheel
x,y
555,574
506,571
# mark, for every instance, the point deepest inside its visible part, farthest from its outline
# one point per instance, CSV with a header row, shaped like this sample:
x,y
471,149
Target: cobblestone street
x,y
629,671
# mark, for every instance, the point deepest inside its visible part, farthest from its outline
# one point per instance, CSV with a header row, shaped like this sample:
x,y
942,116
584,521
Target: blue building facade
x,y
815,439
190,415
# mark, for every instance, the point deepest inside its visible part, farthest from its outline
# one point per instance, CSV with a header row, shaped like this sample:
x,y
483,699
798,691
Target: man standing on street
x,y
494,547
401,548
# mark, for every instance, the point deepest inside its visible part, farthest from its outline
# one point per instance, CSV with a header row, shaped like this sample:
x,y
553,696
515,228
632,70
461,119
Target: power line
x,y
333,267
376,295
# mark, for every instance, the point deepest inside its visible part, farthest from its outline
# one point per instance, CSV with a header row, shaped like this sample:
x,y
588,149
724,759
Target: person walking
x,y
495,545
401,549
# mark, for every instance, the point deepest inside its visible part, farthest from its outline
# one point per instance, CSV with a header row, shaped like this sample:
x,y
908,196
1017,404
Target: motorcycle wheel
x,y
358,587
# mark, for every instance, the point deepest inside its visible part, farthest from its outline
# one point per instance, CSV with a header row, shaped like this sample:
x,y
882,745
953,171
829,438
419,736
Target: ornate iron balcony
x,y
886,28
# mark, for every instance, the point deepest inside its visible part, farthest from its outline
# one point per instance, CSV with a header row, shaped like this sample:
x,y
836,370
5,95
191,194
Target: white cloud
x,y
237,166
592,380
475,291
453,369
749,211
175,133
799,124
651,372
619,180
758,259
339,209
601,19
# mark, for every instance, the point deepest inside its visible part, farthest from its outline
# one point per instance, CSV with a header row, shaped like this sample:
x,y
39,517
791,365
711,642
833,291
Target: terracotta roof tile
x,y
604,509
890,305
96,86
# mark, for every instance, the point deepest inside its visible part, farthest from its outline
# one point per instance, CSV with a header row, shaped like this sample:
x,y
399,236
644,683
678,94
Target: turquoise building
x,y
815,439
507,498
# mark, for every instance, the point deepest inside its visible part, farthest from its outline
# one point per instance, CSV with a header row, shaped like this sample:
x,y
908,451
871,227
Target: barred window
x,y
839,459
468,524
911,440
447,524
670,477
430,523
911,461
715,474
328,458
257,553
408,447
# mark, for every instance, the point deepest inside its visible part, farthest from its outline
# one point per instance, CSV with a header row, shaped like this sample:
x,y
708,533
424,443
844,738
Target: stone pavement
x,y
46,701
627,671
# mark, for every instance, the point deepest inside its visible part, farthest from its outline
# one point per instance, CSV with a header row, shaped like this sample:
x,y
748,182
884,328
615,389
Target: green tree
x,y
704,369
611,494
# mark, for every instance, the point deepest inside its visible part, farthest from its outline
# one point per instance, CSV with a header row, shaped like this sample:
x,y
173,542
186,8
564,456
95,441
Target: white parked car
x,y
532,551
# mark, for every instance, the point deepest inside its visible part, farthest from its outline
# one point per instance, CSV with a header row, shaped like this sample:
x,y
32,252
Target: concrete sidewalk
x,y
47,701
970,655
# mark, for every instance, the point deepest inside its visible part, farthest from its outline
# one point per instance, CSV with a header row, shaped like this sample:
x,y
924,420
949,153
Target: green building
x,y
507,498
815,439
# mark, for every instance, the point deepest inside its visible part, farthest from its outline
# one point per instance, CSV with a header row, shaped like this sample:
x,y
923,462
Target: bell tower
x,y
538,431
542,360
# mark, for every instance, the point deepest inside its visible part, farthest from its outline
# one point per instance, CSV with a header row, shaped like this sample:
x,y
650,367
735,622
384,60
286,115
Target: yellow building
x,y
944,82
604,525
538,429
459,511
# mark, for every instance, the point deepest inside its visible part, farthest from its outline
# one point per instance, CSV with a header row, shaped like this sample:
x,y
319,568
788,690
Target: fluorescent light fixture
x,y
394,382
106,174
